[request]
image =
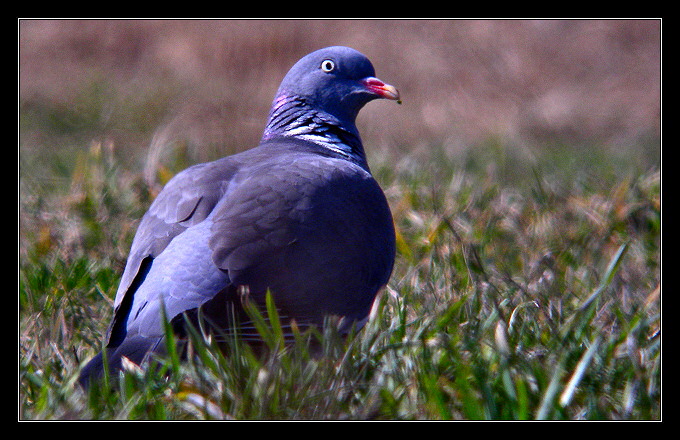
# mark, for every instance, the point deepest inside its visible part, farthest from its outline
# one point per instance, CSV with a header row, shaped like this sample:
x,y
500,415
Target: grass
x,y
524,289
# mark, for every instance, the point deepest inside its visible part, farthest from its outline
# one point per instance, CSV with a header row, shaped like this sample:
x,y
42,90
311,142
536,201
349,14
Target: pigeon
x,y
299,217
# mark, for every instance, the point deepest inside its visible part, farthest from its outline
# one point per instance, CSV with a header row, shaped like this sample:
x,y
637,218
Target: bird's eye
x,y
327,65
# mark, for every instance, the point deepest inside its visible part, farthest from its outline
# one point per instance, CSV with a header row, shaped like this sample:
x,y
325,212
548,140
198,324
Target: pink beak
x,y
381,89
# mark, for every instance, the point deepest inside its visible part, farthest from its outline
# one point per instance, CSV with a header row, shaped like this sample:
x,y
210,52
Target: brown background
x,y
463,82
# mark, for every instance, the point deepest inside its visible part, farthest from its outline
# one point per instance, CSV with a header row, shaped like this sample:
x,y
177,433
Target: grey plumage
x,y
299,215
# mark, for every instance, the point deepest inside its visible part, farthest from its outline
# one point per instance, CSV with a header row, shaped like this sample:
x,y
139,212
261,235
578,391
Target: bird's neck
x,y
293,117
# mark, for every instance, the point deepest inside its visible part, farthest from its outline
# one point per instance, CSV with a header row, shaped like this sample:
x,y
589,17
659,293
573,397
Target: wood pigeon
x,y
300,216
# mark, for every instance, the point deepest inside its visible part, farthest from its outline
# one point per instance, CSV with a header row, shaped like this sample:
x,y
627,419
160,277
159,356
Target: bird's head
x,y
338,80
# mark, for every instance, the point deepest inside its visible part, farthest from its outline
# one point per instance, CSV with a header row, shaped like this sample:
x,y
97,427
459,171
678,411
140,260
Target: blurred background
x,y
139,86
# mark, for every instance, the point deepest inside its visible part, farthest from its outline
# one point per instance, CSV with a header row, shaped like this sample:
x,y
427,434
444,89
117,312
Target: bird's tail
x,y
110,360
